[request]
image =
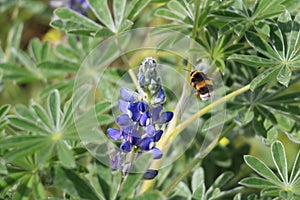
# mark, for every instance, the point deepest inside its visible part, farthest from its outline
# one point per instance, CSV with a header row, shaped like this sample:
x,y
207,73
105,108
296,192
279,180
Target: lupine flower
x,y
80,6
142,117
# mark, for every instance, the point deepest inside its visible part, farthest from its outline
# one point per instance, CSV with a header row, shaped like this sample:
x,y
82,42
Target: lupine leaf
x,y
43,115
262,169
25,113
20,141
256,182
254,61
223,179
101,10
197,179
119,11
264,77
199,193
165,13
134,8
150,196
28,149
178,8
261,46
279,157
35,50
65,155
75,185
57,68
24,59
182,190
284,75
270,191
27,125
38,188
14,37
54,107
296,169
4,110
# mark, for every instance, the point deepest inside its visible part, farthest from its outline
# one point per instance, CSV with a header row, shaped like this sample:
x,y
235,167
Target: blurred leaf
x,y
197,179
256,182
25,124
199,193
182,190
134,8
119,11
54,108
102,12
65,155
69,20
149,196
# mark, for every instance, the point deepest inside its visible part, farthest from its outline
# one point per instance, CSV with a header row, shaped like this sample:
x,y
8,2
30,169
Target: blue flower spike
x,y
142,118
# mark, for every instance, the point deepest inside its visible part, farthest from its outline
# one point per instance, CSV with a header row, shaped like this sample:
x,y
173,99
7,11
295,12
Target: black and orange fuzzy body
x,y
202,84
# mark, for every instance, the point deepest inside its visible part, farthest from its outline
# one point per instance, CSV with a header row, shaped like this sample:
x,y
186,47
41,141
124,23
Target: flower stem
x,y
165,142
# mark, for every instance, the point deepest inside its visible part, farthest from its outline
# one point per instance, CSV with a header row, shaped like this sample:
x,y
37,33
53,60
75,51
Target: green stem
x,y
190,167
164,143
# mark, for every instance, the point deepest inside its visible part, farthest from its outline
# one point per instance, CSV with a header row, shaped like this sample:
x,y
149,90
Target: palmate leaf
x,y
280,47
270,184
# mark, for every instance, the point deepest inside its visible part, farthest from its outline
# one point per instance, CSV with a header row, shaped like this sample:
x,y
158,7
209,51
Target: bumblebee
x,y
202,84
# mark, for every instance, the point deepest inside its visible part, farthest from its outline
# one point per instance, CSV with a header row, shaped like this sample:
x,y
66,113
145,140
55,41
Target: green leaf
x,y
4,110
70,20
54,108
223,179
46,152
102,12
21,141
296,169
167,14
253,61
70,181
284,76
199,193
279,158
265,76
25,60
43,115
262,169
270,191
134,8
197,179
28,149
182,190
119,11
3,169
261,45
104,32
150,196
38,188
57,68
14,37
35,50
27,125
256,182
65,155
178,9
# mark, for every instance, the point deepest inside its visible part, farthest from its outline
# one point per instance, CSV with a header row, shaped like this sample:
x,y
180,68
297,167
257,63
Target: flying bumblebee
x,y
202,84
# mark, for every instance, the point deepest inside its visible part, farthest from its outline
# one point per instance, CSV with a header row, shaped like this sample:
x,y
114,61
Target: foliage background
x,y
249,42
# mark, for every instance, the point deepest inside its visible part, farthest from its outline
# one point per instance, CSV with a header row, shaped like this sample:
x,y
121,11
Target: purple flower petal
x,y
155,111
142,106
150,174
165,117
142,80
134,112
158,135
157,154
123,106
147,144
123,120
127,94
150,130
160,97
114,134
134,137
126,147
145,119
